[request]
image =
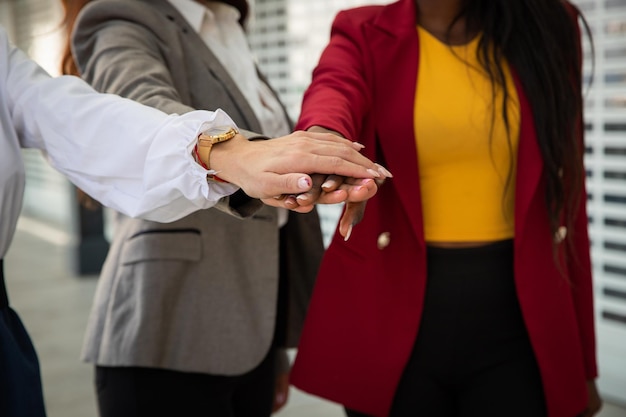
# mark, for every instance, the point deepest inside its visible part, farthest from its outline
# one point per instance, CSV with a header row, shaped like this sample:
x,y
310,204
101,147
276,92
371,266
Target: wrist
x,y
207,141
223,158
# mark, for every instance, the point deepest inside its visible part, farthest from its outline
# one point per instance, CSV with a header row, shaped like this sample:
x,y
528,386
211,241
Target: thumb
x,y
289,184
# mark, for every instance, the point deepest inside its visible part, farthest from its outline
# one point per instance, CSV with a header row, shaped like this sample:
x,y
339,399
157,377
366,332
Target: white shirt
x,y
130,157
218,26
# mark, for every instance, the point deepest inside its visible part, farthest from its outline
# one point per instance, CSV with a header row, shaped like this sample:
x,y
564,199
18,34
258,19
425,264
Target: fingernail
x,y
358,145
375,174
384,171
328,184
302,197
290,202
345,239
304,183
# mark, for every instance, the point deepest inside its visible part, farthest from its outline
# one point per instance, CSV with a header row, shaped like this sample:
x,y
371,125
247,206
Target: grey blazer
x,y
199,294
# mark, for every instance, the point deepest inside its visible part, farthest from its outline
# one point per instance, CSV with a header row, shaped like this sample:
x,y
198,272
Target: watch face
x,y
217,134
217,130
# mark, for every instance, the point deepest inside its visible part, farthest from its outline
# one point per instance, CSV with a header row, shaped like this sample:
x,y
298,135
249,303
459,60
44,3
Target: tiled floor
x,y
54,304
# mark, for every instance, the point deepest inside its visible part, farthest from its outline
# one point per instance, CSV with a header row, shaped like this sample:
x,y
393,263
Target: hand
x,y
281,392
357,199
331,189
594,402
356,191
353,213
264,169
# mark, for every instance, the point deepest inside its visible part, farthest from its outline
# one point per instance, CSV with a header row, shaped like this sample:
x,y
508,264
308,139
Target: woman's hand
x,y
283,166
281,391
330,189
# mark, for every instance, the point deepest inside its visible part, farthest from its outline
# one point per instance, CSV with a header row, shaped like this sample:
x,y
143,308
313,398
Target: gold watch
x,y
210,137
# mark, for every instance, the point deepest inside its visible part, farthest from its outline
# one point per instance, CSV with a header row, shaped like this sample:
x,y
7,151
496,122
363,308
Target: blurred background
x,y
53,264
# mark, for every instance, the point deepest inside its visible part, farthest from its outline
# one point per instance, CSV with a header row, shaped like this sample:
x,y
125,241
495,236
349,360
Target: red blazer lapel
x,y
529,164
393,41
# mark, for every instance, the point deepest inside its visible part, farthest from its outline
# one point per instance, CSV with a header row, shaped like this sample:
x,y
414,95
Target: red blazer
x,y
366,307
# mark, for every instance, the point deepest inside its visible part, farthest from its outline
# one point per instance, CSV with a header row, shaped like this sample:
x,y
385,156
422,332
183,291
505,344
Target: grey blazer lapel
x,y
213,64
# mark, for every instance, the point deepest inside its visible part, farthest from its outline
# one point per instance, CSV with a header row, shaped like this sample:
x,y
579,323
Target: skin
x,y
357,191
281,167
281,392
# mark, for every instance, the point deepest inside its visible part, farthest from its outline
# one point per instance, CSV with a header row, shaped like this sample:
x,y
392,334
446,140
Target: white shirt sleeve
x,y
130,157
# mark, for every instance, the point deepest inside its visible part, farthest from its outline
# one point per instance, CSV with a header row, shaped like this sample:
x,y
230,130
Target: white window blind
x,y
605,162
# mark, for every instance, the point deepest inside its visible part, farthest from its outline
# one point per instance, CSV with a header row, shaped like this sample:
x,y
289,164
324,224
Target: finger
x,y
334,197
303,209
281,204
311,196
277,186
352,215
360,189
358,146
340,163
324,192
325,146
332,183
291,202
327,137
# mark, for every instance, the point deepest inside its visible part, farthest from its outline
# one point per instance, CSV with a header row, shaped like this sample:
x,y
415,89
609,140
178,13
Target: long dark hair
x,y
540,39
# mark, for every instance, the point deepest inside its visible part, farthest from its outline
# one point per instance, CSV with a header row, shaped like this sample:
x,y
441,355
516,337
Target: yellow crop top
x,y
467,163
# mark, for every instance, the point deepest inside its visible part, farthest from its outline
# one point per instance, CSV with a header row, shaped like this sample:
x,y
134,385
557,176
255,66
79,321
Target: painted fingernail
x,y
304,183
384,171
328,184
375,174
358,146
302,197
345,239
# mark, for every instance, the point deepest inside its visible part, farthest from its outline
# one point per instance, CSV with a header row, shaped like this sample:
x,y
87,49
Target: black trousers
x,y
472,357
147,392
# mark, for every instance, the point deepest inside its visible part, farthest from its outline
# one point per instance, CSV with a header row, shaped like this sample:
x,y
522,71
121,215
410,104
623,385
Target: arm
x,y
123,52
86,137
137,159
339,98
339,101
120,48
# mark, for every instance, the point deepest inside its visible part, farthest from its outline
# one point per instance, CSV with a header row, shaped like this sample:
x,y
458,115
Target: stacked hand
x,y
333,189
279,172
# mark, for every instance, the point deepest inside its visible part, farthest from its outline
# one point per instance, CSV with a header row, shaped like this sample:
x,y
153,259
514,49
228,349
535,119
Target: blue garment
x,y
21,393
